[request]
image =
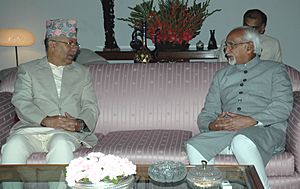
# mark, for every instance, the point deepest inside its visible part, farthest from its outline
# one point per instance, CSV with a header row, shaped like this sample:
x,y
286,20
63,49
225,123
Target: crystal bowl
x,y
167,171
204,177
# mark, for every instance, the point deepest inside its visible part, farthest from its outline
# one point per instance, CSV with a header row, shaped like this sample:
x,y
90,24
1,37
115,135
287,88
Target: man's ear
x,y
51,44
249,47
263,29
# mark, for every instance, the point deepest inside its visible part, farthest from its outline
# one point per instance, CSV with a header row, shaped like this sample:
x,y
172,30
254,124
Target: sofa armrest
x,y
8,116
293,131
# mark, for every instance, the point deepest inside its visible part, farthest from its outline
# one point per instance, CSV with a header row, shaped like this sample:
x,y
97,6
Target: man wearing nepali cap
x,y
54,100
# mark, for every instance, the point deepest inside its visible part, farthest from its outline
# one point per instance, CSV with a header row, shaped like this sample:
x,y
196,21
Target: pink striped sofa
x,y
148,111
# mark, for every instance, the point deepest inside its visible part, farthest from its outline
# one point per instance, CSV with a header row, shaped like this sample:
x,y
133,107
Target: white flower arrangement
x,y
97,167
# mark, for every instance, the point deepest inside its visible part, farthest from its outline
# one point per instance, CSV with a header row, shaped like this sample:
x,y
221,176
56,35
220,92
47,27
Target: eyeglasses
x,y
70,44
254,27
233,45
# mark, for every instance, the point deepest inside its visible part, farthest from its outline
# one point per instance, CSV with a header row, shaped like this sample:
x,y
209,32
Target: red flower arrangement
x,y
175,23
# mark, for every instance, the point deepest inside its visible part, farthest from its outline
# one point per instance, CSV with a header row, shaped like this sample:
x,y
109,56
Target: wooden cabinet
x,y
181,56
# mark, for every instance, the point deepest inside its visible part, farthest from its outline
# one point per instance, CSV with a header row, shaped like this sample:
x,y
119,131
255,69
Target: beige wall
x,y
283,23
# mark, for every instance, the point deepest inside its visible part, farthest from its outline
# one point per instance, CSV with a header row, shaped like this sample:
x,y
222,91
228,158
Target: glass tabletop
x,y
53,177
239,176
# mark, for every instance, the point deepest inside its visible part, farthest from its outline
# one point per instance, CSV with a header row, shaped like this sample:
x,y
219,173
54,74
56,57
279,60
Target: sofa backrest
x,y
151,96
155,96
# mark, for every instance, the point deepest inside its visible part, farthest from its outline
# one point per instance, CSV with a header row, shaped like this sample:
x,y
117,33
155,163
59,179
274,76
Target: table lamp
x,y
14,37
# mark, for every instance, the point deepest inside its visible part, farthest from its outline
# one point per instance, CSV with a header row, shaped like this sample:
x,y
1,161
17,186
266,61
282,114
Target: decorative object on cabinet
x,y
143,54
108,16
200,45
135,42
177,22
212,43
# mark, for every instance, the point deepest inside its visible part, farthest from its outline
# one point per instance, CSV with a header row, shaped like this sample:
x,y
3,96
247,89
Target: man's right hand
x,y
219,123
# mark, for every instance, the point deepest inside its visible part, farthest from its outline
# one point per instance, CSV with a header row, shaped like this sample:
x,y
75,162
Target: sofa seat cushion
x,y
289,182
146,146
280,164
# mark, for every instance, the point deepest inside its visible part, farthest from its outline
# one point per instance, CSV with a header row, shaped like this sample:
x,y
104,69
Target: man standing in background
x,y
256,19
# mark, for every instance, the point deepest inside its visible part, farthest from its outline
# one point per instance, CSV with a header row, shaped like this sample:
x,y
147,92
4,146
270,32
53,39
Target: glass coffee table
x,y
40,175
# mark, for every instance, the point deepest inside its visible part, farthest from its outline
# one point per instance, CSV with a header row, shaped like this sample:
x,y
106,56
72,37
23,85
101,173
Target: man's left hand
x,y
75,127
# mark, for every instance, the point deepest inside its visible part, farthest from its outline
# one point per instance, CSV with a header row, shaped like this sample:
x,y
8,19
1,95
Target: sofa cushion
x,y
146,146
294,77
4,73
280,164
87,56
140,146
7,114
151,96
8,83
293,131
292,182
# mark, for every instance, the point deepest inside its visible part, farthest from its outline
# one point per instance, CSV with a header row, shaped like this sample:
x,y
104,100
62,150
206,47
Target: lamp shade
x,y
16,37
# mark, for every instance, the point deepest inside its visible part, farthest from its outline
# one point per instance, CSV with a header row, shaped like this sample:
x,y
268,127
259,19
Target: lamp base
x,y
17,61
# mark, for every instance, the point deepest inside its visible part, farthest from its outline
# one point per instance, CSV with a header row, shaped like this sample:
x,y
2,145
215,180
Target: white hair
x,y
250,34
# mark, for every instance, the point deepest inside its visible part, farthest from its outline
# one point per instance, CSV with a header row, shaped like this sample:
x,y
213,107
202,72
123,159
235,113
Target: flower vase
x,y
136,43
212,43
143,54
126,183
199,45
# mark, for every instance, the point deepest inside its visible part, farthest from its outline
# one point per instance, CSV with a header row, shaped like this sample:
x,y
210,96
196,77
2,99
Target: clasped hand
x,y
228,121
66,122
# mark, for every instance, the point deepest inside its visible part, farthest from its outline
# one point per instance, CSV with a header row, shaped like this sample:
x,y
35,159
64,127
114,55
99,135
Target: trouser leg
x,y
12,185
195,157
57,185
60,149
16,150
246,152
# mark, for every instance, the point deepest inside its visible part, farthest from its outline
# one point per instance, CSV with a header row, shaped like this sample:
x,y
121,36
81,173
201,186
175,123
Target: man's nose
x,y
226,49
74,48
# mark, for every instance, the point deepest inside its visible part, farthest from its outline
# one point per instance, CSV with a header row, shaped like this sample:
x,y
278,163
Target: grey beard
x,y
231,60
